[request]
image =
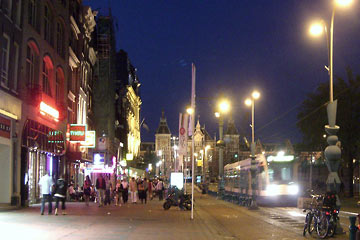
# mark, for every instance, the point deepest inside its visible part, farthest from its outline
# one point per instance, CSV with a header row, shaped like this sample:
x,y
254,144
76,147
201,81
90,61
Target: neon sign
x,y
55,137
77,133
48,110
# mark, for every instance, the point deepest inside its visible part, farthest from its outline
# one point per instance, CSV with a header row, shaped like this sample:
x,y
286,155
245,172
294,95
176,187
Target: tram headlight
x,y
293,189
273,190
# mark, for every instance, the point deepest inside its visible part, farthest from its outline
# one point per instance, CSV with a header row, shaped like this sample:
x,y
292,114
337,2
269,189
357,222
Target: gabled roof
x,y
163,127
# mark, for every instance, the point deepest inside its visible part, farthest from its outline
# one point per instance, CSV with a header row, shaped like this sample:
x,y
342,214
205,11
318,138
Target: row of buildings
x,y
66,95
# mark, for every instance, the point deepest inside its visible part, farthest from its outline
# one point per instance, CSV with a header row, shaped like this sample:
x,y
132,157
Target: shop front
x,y
42,151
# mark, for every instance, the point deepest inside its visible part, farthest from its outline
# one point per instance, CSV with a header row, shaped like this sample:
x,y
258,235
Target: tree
x,y
312,118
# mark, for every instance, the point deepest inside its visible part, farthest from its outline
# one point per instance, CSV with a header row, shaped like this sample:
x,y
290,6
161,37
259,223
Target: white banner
x,y
183,128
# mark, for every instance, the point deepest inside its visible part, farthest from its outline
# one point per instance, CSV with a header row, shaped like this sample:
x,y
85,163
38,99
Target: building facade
x,y
163,147
11,28
42,87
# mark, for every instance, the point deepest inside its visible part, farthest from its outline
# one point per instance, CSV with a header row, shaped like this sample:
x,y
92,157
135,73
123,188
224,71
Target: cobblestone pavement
x,y
213,219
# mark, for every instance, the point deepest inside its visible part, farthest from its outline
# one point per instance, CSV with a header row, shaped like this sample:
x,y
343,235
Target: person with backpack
x,y
60,194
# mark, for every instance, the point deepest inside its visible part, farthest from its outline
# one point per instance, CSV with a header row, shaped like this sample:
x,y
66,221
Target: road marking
x,y
350,213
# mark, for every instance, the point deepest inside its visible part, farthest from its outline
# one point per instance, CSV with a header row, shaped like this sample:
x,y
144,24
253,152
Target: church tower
x,y
163,146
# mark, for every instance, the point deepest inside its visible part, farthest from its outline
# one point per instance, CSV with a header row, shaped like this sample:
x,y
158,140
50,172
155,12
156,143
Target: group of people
x,y
104,190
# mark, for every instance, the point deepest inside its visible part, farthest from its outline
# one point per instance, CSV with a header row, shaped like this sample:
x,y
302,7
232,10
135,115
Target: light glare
x,y
343,3
248,102
255,95
224,106
316,29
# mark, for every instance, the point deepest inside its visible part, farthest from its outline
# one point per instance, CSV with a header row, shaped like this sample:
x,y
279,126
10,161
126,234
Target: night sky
x,y
237,46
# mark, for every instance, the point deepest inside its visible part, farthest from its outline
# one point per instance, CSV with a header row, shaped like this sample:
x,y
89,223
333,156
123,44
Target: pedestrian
x,y
125,192
87,189
108,191
141,191
160,189
46,183
133,189
100,187
150,189
118,193
60,194
146,187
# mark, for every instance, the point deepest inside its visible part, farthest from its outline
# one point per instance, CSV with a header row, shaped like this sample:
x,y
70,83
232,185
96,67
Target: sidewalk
x,y
213,219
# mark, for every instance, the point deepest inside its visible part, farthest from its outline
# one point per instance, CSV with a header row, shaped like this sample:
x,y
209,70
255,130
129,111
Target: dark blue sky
x,y
236,45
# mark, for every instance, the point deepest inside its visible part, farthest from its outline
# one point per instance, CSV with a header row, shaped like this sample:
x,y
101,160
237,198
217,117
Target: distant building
x,y
163,146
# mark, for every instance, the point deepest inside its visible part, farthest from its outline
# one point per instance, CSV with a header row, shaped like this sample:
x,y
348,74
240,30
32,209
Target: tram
x,y
275,179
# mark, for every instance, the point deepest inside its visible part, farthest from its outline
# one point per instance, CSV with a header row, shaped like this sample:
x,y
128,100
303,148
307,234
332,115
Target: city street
x,y
213,219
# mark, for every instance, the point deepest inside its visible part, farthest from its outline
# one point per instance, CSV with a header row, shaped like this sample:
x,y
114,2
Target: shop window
x,y
4,68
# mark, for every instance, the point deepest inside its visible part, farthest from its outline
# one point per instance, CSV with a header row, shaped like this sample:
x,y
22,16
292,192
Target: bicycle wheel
x,y
307,219
312,224
332,225
322,226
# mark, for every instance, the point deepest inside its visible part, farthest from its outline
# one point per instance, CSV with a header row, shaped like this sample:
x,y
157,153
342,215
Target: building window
x,y
5,50
16,66
60,39
32,13
47,25
59,85
46,77
18,13
30,66
6,6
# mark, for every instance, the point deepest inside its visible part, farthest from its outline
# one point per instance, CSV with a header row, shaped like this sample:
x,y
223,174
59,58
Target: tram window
x,y
280,172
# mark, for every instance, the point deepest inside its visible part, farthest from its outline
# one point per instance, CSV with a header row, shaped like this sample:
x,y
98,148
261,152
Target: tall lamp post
x,y
223,108
251,102
332,152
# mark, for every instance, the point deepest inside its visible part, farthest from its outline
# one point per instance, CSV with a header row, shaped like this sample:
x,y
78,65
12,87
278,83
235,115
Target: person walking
x,y
46,183
141,191
101,187
133,189
125,192
118,193
146,187
150,189
87,189
60,194
160,188
108,191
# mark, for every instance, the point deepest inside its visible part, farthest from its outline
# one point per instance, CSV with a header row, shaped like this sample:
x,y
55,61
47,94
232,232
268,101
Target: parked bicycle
x,y
317,217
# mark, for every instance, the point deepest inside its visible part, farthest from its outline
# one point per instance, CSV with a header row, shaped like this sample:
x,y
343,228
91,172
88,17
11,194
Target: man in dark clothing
x,y
100,187
60,194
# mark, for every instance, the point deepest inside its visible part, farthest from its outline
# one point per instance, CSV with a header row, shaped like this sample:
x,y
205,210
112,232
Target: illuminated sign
x,y
177,179
89,142
48,110
77,133
5,127
99,158
199,163
280,158
55,137
129,156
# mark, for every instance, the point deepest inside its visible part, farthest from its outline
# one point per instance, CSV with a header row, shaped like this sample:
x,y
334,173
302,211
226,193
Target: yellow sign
x,y
199,163
89,142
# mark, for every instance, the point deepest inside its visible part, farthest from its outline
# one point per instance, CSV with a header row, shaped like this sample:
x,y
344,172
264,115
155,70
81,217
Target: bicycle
x,y
316,218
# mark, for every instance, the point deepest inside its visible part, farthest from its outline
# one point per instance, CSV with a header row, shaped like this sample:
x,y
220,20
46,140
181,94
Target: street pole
x,y
221,157
253,169
193,73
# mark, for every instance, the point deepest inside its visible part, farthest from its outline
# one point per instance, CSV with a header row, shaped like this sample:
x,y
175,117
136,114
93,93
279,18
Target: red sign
x,y
5,127
77,132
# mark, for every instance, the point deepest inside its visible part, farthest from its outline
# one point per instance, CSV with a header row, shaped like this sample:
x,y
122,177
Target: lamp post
x,y
251,102
332,152
223,108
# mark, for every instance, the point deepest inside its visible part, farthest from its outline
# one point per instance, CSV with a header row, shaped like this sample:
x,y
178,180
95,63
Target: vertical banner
x,y
183,128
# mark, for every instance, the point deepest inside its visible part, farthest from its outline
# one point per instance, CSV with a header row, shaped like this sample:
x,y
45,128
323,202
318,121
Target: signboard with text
x,y
89,140
77,133
5,127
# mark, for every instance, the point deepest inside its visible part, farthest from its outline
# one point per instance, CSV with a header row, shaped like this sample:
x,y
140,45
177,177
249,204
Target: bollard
x,y
352,228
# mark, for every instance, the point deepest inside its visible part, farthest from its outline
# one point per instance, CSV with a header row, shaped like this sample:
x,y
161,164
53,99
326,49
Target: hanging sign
x,y
89,140
77,133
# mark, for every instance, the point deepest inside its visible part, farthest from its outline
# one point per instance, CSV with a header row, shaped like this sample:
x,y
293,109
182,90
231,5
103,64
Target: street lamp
x,y
251,102
222,108
332,152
